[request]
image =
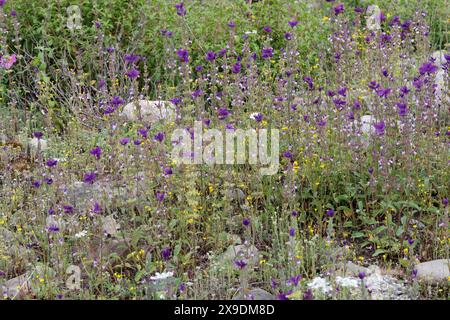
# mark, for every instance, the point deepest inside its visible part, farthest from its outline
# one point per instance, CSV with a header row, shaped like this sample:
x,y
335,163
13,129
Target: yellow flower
x,y
325,19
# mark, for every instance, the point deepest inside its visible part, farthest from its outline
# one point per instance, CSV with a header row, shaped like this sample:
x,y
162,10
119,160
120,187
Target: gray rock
x,y
110,226
255,294
433,271
151,111
248,254
36,144
16,287
352,269
235,194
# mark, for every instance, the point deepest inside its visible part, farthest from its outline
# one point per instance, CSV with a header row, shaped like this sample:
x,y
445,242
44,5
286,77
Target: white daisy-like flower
x,y
162,276
321,284
81,234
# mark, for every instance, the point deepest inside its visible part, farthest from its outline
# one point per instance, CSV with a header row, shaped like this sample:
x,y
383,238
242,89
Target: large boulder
x,y
151,111
434,271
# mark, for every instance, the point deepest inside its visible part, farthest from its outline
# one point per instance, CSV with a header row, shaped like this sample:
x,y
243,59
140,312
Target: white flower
x,y
347,282
81,234
319,283
162,276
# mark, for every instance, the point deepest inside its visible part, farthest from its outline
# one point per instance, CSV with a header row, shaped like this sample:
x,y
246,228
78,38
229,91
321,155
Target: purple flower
x,y
96,208
175,101
166,253
197,93
295,280
351,116
13,13
373,85
287,154
379,127
231,24
418,83
386,38
291,232
236,68
89,177
241,264
402,109
38,134
132,73
246,222
183,54
308,295
222,52
394,21
309,81
338,9
159,136
48,181
282,296
181,10
428,67
131,58
222,113
51,162
339,103
160,196
361,275
267,29
258,117
322,123
124,141
52,228
68,209
445,202
2,3
288,36
142,132
330,213
199,68
359,10
356,104
406,25
267,53
116,101
403,91
97,152
294,213
36,184
384,92
168,171
343,91
210,56
293,23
